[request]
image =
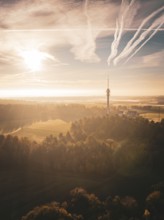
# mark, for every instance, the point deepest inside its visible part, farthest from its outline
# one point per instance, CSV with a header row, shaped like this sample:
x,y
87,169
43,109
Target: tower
x,y
108,96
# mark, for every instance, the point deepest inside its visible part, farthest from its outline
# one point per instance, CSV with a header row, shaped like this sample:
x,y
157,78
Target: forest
x,y
103,168
16,115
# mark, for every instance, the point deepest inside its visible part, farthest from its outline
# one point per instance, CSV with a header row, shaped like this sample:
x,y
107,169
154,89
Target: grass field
x,y
39,130
156,117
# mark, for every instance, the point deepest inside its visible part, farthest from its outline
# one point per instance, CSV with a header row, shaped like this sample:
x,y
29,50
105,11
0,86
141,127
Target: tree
x,y
50,211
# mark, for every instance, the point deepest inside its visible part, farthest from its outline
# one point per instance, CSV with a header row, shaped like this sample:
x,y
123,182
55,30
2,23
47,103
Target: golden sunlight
x,y
33,59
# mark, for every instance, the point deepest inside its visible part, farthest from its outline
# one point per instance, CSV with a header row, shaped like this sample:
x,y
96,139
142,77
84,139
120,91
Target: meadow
x,y
39,130
153,116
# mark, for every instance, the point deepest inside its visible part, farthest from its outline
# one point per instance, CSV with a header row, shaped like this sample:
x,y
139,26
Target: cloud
x,y
127,13
139,37
154,60
58,23
69,21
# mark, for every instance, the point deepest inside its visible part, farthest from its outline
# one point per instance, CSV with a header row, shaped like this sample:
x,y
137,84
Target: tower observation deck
x,y
108,98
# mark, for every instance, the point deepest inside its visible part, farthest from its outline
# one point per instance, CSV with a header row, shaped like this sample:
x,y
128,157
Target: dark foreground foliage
x,y
81,205
125,155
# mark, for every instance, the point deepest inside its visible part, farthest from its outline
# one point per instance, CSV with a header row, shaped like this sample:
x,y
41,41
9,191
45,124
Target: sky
x,y
71,47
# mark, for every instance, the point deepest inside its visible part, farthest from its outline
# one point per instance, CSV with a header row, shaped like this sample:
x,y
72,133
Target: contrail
x,y
117,37
143,23
89,25
143,44
84,50
133,42
86,12
72,29
119,30
90,46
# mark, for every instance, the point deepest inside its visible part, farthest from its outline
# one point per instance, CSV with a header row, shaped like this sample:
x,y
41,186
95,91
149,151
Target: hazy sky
x,y
68,47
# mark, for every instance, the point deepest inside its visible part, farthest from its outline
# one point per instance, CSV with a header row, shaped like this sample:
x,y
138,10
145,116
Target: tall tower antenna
x,y
159,114
108,95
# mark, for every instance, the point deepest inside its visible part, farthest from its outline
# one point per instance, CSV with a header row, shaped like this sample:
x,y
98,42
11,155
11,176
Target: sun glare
x,y
33,59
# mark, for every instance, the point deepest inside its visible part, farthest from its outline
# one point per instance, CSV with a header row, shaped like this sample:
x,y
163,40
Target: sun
x,y
33,59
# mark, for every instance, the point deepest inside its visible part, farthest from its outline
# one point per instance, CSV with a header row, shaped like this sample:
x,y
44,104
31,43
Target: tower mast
x,y
108,95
